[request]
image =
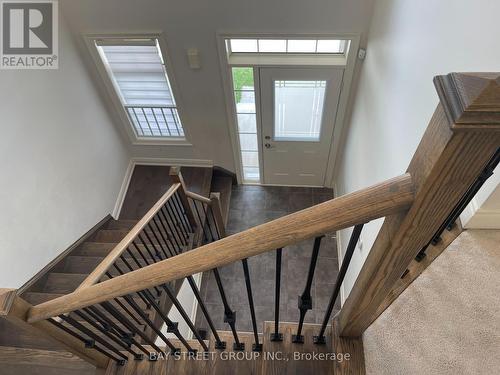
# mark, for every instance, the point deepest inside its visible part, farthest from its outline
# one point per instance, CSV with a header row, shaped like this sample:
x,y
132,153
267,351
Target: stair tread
x,y
63,282
38,361
86,264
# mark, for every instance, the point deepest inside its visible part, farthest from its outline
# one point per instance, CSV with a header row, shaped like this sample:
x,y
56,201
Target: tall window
x,y
244,97
138,72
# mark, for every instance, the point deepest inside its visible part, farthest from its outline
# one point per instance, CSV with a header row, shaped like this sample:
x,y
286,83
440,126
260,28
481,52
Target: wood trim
x,y
217,211
471,100
15,309
197,197
379,200
45,270
348,345
176,176
415,269
127,240
448,159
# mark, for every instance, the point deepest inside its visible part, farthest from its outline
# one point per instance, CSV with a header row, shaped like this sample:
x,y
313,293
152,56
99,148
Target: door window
x,y
298,110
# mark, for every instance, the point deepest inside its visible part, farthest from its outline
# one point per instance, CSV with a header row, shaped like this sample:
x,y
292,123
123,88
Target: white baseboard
x,y
123,190
201,163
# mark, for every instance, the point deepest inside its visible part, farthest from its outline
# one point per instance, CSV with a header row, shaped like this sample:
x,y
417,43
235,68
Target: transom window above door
x,y
309,46
137,71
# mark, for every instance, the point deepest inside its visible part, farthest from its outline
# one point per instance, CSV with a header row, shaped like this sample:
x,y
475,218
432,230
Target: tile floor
x,y
253,205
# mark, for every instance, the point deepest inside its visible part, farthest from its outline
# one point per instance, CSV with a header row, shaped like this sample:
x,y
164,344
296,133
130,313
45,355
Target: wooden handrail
x,y
107,262
197,197
217,211
386,198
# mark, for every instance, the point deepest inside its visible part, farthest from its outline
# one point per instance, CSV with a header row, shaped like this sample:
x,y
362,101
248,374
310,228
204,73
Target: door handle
x,y
267,145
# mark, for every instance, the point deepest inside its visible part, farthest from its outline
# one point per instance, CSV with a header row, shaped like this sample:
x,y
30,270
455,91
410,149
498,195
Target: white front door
x,y
298,113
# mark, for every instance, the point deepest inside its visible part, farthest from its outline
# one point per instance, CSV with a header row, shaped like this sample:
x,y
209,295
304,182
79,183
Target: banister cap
x,y
470,100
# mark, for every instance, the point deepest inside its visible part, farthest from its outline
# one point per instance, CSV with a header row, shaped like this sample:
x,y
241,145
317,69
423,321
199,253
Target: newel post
x,y
462,136
176,176
15,310
217,211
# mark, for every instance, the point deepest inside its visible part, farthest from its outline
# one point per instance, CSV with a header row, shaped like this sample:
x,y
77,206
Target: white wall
x,y
409,42
193,24
63,162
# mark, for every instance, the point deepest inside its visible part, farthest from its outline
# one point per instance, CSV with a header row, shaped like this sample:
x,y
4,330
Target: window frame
x,y
114,95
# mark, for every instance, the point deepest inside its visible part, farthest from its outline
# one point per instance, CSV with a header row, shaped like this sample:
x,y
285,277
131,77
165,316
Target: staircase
x,y
108,301
22,352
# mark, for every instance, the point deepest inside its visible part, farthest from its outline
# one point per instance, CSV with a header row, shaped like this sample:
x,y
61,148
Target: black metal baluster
x,y
305,300
185,316
171,326
109,334
126,323
276,335
124,308
464,201
229,315
213,221
150,324
153,244
171,226
158,235
184,217
167,235
145,246
175,223
143,299
179,223
257,347
89,343
181,214
68,319
320,338
128,337
158,291
219,344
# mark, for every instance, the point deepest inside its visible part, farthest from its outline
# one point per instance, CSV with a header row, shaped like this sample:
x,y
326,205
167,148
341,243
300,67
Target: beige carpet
x,y
448,320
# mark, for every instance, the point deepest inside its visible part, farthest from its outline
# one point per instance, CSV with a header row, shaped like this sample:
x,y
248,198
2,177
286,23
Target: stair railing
x,y
462,138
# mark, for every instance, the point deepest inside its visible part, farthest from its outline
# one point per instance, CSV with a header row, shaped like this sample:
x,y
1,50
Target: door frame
x,y
340,117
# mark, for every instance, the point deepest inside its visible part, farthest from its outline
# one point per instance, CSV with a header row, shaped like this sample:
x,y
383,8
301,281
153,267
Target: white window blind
x,y
141,82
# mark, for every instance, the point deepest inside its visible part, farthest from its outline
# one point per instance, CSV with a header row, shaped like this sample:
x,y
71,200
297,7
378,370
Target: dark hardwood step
x,y
35,298
22,361
149,182
58,282
120,224
87,264
109,235
116,235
